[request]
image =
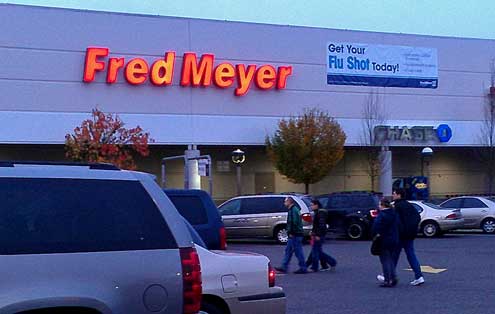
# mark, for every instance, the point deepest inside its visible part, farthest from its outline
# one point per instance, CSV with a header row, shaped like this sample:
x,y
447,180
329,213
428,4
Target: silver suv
x,y
262,216
92,239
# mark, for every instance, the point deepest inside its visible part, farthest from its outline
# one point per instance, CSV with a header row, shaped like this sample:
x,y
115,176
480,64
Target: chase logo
x,y
444,133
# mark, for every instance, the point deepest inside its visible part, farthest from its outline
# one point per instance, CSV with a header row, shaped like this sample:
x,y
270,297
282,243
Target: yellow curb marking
x,y
430,270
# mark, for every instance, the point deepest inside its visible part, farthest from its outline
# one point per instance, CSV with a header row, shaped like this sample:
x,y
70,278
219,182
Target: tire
x,y
488,225
208,308
355,230
280,235
430,229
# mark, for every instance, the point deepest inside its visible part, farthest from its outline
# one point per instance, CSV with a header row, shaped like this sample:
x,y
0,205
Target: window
x,y
262,205
324,201
339,201
78,215
473,203
418,208
365,201
190,207
453,203
231,208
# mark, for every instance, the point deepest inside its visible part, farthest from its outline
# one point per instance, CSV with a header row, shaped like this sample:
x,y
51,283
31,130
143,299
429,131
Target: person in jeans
x,y
409,220
295,233
386,227
318,238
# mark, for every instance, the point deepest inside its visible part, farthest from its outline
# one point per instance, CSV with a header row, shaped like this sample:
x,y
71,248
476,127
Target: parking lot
x,y
466,284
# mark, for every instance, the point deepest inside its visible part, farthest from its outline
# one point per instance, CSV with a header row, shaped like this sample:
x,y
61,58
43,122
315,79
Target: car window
x,y
473,203
307,201
262,205
364,201
231,208
194,234
453,203
434,206
418,208
191,207
339,201
40,215
324,201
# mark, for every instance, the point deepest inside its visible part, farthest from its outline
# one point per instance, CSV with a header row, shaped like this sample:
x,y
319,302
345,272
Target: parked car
x,y
478,212
262,216
92,239
350,213
436,220
200,211
237,282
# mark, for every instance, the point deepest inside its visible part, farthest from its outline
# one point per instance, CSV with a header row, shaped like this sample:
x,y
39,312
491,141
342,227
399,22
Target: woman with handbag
x,y
385,233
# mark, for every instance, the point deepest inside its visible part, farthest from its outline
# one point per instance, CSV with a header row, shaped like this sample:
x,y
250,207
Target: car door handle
x,y
276,217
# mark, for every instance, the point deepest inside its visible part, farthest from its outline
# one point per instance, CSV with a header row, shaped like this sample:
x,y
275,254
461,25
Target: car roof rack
x,y
91,165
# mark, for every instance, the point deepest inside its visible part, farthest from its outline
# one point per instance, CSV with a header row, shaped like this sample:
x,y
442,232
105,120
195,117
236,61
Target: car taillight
x,y
307,217
223,238
451,216
191,280
374,213
271,276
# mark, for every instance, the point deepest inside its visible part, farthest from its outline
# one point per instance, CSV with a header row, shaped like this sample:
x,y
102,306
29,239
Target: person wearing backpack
x,y
409,220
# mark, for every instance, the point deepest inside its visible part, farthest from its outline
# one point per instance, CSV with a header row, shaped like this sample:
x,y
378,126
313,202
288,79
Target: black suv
x,y
350,213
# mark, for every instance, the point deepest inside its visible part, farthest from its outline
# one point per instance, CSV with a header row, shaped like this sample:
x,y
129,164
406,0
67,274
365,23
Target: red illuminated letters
x,y
194,73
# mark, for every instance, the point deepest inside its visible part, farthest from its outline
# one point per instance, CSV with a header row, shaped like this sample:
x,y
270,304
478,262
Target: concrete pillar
x,y
192,180
386,172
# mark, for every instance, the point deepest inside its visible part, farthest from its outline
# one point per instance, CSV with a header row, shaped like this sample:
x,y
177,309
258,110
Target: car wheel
x,y
430,229
281,235
355,230
207,308
488,225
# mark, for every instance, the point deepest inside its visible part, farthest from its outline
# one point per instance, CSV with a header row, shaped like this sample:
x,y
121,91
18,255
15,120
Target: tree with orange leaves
x,y
306,148
103,138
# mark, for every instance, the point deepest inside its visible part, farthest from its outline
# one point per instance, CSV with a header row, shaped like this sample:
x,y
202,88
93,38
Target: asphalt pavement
x,y
462,278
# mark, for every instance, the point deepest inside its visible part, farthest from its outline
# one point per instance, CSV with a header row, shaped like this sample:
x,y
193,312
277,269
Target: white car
x,y
436,220
478,212
237,282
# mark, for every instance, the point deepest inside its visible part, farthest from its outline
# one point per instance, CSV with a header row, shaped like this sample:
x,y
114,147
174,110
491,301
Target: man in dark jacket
x,y
409,219
318,234
295,233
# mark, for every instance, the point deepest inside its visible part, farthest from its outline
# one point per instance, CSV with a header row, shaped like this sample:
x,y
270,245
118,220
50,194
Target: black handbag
x,y
376,245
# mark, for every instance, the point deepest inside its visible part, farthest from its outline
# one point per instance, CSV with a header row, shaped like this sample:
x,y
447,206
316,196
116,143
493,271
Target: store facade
x,y
225,85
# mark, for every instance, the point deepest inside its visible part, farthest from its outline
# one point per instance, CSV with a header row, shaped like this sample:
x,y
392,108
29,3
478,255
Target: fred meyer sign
x,y
194,72
381,65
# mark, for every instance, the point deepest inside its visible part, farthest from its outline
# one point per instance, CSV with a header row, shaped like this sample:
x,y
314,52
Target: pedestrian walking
x,y
409,222
386,230
295,233
318,234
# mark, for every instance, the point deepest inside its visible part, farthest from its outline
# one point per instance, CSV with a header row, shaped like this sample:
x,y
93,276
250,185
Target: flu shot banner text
x,y
381,65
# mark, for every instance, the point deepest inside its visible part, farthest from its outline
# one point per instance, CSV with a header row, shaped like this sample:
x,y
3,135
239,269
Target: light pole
x,y
426,156
238,158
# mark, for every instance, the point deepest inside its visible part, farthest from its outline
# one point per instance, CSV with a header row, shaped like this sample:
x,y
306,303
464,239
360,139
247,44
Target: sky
x,y
473,19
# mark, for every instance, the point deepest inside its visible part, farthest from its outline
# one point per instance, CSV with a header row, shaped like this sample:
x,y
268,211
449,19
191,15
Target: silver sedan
x,y
436,220
478,212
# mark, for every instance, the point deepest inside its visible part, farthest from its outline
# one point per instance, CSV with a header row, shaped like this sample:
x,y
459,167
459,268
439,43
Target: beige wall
x,y
454,170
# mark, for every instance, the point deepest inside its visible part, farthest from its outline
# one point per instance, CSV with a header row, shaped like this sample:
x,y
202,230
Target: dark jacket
x,y
320,223
387,225
294,221
409,219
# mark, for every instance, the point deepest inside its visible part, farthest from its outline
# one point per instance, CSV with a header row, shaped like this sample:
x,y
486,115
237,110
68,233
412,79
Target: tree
x,y
486,154
373,115
103,138
306,148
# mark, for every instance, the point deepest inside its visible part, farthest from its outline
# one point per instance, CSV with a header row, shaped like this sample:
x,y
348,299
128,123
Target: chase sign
x,y
442,133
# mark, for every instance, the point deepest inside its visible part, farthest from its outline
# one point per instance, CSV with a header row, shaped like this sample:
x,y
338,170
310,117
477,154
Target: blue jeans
x,y
318,254
294,245
387,258
408,246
